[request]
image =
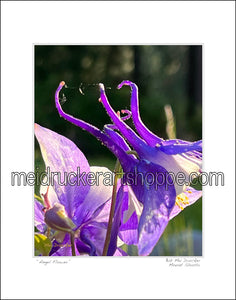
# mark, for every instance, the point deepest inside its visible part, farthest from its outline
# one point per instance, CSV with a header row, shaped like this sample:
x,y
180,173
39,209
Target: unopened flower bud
x,y
57,219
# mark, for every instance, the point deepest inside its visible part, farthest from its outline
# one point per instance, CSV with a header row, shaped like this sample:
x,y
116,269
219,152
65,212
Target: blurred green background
x,y
164,74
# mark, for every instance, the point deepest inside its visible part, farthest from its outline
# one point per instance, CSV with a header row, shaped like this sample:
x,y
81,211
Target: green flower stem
x,y
72,239
113,203
48,232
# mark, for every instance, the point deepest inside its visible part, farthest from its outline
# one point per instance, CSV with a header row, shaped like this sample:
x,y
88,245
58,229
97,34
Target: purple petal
x,y
93,235
82,248
101,215
148,178
120,252
195,157
150,230
99,194
158,200
62,155
64,248
177,142
130,206
175,164
131,209
188,197
39,216
174,148
128,232
57,244
65,251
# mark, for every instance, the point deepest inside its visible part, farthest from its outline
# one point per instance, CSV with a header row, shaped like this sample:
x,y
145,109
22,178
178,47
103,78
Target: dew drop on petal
x,y
167,200
152,224
163,210
149,227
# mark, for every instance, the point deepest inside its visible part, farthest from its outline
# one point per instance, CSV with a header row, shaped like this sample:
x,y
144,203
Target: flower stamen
x,y
181,199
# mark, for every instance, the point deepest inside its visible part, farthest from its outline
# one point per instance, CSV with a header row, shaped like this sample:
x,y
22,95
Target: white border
x,y
209,23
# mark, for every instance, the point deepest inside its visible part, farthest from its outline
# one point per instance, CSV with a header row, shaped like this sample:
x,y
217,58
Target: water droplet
x,y
167,201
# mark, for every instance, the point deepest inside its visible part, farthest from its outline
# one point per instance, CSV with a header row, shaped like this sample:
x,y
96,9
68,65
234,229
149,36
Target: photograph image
x,y
118,150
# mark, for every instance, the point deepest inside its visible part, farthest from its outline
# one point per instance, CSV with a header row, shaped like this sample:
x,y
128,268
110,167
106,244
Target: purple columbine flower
x,y
146,155
79,207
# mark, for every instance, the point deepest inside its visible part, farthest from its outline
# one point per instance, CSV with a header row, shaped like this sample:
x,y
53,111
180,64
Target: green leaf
x,y
38,198
42,244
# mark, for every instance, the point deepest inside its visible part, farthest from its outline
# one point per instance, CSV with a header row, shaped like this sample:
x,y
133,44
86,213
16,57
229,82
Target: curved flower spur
x,y
153,156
